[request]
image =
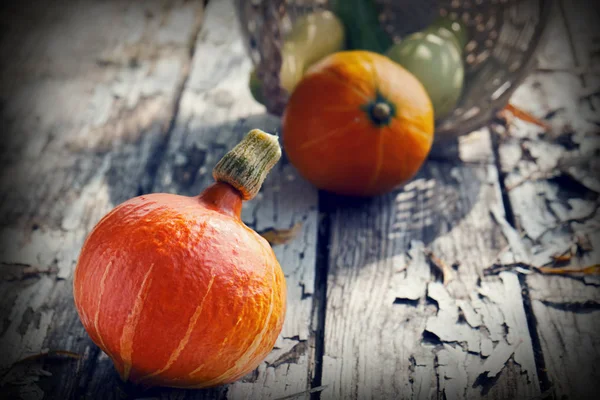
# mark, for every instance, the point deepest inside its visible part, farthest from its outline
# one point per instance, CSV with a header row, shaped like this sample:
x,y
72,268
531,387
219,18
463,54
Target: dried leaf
x,y
580,245
549,270
281,236
589,270
445,269
49,353
561,258
525,116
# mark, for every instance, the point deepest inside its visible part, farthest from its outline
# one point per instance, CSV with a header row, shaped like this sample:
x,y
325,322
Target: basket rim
x,y
470,125
276,106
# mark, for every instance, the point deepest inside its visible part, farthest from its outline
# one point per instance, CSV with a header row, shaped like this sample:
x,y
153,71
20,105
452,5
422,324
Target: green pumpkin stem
x,y
246,166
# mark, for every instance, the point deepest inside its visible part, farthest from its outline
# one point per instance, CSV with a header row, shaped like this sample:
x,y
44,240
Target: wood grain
x,y
551,179
215,112
87,102
106,100
392,329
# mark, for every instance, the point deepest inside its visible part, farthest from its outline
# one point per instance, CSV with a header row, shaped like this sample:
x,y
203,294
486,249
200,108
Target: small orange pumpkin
x,y
176,290
358,124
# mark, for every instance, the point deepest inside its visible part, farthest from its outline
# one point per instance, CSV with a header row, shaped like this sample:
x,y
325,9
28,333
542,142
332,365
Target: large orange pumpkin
x,y
358,124
177,290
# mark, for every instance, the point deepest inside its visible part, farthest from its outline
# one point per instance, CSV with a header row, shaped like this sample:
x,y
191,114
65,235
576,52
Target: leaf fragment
x,y
523,268
562,258
281,236
445,269
49,353
525,116
587,270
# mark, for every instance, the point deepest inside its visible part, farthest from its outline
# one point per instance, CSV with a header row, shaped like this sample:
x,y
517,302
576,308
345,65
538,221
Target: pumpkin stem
x,y
246,166
381,111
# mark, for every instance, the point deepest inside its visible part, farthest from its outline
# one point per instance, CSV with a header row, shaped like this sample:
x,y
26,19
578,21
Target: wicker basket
x,y
503,34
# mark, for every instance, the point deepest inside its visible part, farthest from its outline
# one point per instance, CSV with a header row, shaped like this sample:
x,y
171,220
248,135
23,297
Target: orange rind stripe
x,y
131,324
186,338
249,353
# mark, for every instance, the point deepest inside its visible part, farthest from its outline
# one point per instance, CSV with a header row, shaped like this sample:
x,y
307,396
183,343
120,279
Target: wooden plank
x,y
552,212
216,110
554,202
392,329
87,102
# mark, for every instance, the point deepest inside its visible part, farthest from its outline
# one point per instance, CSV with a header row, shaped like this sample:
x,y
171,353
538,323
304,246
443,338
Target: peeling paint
x,y
412,284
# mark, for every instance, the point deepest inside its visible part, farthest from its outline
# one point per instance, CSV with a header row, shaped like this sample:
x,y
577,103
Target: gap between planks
x,y
216,110
549,211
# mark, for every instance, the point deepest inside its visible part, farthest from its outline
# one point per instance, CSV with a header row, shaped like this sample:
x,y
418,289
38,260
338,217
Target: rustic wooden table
x,y
103,101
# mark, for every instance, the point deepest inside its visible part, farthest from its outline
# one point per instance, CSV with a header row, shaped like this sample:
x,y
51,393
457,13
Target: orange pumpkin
x,y
358,124
177,290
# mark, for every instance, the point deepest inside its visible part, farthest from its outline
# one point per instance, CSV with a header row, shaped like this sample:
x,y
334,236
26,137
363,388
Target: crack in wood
x,y
414,316
394,317
291,356
319,309
560,206
576,307
61,192
160,149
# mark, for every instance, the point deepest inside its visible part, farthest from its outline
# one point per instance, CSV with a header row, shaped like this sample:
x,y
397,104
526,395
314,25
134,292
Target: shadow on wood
x,y
426,207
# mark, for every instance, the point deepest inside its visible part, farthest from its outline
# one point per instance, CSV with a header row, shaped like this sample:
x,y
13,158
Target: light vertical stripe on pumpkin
x,y
221,346
184,341
250,351
310,143
131,324
97,315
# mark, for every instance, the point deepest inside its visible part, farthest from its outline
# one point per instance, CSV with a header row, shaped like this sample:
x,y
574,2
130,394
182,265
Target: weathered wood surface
x,y
376,347
88,98
392,329
215,111
106,100
553,187
207,109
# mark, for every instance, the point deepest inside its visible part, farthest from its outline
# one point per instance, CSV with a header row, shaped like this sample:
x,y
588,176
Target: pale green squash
x,y
312,37
434,56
